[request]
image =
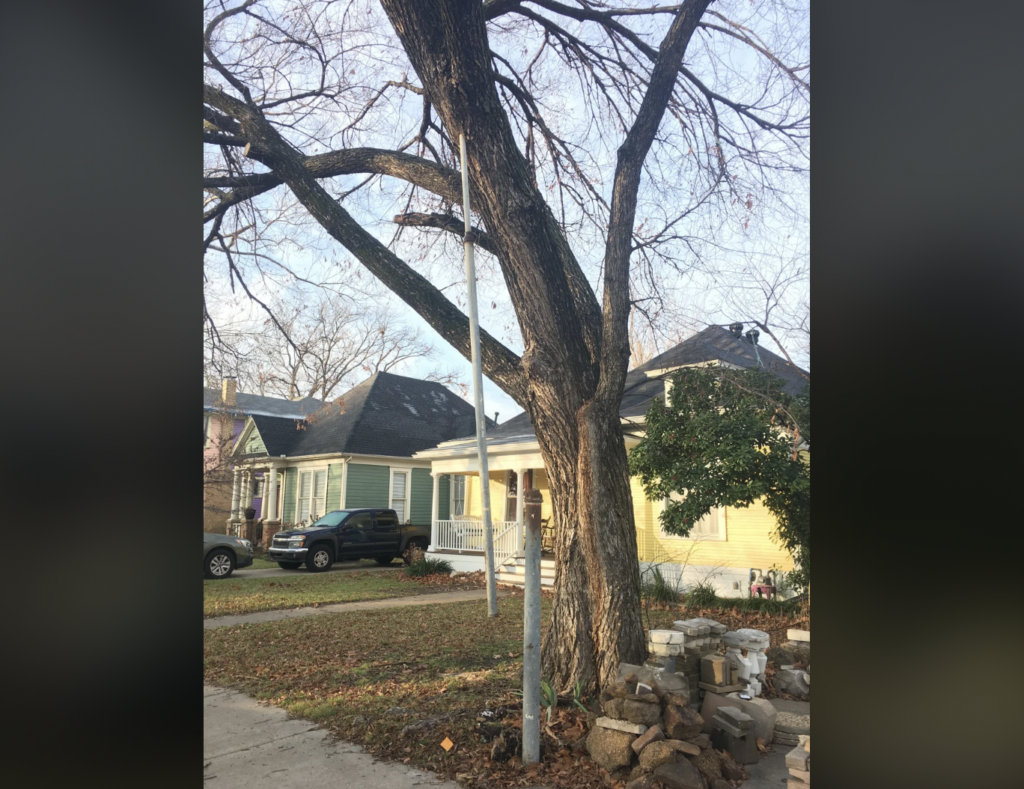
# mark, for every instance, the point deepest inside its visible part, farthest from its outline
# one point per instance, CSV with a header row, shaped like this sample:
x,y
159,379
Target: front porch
x,y
460,536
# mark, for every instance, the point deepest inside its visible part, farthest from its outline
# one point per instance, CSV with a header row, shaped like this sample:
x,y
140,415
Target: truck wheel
x,y
289,565
219,564
319,558
414,551
384,560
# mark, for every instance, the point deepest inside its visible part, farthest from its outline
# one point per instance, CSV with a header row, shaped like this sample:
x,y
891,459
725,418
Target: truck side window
x,y
385,520
362,520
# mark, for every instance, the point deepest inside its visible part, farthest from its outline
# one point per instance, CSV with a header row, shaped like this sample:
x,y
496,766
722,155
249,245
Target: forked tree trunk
x,y
595,619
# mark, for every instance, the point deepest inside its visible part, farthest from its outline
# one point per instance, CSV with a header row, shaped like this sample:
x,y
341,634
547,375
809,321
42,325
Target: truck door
x,y
387,535
356,537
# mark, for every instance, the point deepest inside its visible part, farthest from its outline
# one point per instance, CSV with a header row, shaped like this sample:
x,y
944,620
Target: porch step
x,y
514,572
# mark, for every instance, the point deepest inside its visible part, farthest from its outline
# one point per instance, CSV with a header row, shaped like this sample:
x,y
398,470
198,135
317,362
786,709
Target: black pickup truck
x,y
346,535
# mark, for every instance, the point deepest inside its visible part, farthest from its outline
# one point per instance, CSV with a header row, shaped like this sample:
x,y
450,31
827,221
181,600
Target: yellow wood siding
x,y
748,540
475,509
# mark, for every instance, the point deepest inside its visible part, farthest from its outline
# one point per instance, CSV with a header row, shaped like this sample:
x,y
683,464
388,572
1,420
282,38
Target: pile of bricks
x,y
681,650
649,729
798,762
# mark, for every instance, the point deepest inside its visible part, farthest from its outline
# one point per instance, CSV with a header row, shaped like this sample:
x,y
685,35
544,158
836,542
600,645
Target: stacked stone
x,y
791,726
798,761
791,678
648,726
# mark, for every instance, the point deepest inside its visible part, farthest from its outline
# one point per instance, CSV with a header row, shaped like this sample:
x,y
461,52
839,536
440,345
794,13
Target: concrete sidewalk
x,y
334,608
250,746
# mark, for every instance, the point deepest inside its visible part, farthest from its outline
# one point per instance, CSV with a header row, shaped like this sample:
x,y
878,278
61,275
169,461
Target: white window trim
x,y
451,496
722,535
298,490
407,470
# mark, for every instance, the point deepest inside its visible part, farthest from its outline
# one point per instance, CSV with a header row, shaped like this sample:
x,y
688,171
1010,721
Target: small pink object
x,y
765,590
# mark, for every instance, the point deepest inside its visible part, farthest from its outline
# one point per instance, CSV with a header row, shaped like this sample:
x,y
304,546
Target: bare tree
x,y
610,145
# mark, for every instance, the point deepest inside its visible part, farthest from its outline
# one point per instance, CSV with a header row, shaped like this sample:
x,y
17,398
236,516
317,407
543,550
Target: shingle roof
x,y
712,344
386,414
247,404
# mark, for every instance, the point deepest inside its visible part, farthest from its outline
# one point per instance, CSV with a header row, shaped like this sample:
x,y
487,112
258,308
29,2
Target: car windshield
x,y
332,518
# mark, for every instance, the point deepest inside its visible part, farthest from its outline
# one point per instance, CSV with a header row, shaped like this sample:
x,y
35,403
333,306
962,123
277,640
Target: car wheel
x,y
219,564
319,558
414,551
289,565
384,560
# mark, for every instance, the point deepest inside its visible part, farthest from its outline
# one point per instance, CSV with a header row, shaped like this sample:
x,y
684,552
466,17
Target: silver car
x,y
222,554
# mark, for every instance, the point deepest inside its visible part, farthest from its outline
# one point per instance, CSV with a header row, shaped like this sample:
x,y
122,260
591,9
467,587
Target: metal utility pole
x,y
531,628
478,391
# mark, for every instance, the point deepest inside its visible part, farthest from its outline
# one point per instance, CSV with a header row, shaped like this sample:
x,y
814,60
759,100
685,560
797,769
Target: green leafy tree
x,y
731,438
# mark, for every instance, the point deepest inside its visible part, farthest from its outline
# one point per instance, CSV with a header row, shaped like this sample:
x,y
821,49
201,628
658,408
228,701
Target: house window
x,y
458,508
710,527
257,490
399,493
206,430
312,494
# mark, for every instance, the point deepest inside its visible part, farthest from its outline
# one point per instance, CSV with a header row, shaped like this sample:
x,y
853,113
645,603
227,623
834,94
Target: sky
x,y
698,296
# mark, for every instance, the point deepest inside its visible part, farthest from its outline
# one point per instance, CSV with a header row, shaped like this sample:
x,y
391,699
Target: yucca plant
x,y
425,567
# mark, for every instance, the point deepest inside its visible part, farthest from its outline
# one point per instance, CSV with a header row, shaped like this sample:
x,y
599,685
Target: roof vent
x,y
736,329
495,417
752,335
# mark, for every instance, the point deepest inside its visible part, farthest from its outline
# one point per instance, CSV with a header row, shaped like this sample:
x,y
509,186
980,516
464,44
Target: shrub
x,y
656,589
702,596
425,567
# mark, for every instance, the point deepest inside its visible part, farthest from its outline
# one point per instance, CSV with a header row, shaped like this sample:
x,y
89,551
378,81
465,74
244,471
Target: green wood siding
x,y
291,478
334,476
367,486
254,445
444,497
422,495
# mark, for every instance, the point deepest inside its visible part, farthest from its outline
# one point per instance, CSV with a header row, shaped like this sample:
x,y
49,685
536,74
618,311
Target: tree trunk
x,y
595,619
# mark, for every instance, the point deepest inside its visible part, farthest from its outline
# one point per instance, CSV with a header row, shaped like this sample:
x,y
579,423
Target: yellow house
x,y
723,549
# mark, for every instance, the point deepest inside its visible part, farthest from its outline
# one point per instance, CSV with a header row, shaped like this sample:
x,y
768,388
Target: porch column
x,y
270,494
520,535
433,511
236,491
247,490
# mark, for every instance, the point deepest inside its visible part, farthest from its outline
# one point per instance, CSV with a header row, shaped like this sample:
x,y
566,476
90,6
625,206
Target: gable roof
x,y
248,404
712,344
386,414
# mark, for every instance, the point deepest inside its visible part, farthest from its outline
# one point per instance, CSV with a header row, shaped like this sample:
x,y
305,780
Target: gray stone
x,y
643,782
718,722
612,708
680,775
683,747
646,674
742,749
642,712
623,726
667,637
792,681
682,722
761,710
702,741
655,755
736,717
664,650
610,749
653,734
793,723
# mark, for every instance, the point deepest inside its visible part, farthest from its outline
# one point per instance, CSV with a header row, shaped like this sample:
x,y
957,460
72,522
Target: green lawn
x,y
238,595
266,564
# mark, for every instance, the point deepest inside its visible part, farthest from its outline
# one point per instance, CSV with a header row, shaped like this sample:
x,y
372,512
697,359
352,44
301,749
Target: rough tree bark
x,y
571,374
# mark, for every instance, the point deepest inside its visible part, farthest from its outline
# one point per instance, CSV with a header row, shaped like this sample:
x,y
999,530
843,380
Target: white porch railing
x,y
468,535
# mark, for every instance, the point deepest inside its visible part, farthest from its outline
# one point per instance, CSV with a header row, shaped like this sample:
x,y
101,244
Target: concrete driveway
x,y
339,567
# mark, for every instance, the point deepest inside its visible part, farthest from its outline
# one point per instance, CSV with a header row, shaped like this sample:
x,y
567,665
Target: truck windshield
x,y
332,518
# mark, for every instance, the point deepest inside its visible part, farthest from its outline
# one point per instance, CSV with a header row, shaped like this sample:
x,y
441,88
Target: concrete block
x,y
680,775
664,650
721,688
715,670
687,627
667,637
720,723
736,716
761,710
796,783
803,775
798,759
684,747
799,635
743,749
623,726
